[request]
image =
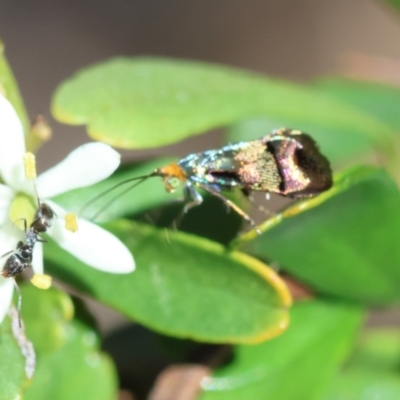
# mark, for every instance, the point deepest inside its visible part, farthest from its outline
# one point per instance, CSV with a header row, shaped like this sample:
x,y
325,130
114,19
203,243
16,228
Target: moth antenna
x,y
139,180
19,304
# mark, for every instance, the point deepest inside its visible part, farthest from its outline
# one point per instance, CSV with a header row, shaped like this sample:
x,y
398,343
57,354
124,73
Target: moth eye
x,y
173,182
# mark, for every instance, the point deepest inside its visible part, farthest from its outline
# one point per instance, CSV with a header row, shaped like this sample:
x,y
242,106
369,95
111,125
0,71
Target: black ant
x,y
21,257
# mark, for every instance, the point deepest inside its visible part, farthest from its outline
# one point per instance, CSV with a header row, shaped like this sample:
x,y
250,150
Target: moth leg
x,y
192,197
231,204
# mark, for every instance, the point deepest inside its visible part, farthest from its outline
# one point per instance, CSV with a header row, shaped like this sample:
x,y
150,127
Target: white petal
x,y
10,235
37,261
6,292
84,166
6,197
12,146
91,244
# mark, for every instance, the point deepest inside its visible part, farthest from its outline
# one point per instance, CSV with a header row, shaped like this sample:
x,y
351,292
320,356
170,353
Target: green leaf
x,y
148,102
378,100
343,242
74,367
185,286
12,365
297,365
11,91
372,373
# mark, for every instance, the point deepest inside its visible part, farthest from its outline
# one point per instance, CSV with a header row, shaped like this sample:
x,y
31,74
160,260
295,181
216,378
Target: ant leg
x,y
232,205
19,244
8,253
41,240
19,306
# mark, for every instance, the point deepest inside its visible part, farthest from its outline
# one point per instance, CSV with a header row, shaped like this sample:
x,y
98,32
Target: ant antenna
x,y
141,179
30,172
37,194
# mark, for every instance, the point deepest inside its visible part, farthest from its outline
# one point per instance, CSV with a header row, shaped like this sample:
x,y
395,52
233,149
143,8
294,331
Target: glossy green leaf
x,y
185,286
148,102
10,87
297,365
378,100
12,365
372,372
343,242
53,309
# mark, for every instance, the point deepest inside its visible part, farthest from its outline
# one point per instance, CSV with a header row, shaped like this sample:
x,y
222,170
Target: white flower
x,y
86,165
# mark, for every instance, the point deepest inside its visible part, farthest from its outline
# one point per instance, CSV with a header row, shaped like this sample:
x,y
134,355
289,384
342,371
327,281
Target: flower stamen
x,y
30,165
41,281
71,222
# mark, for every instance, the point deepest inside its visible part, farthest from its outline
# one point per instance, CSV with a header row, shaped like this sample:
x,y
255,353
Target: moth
x,y
286,161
